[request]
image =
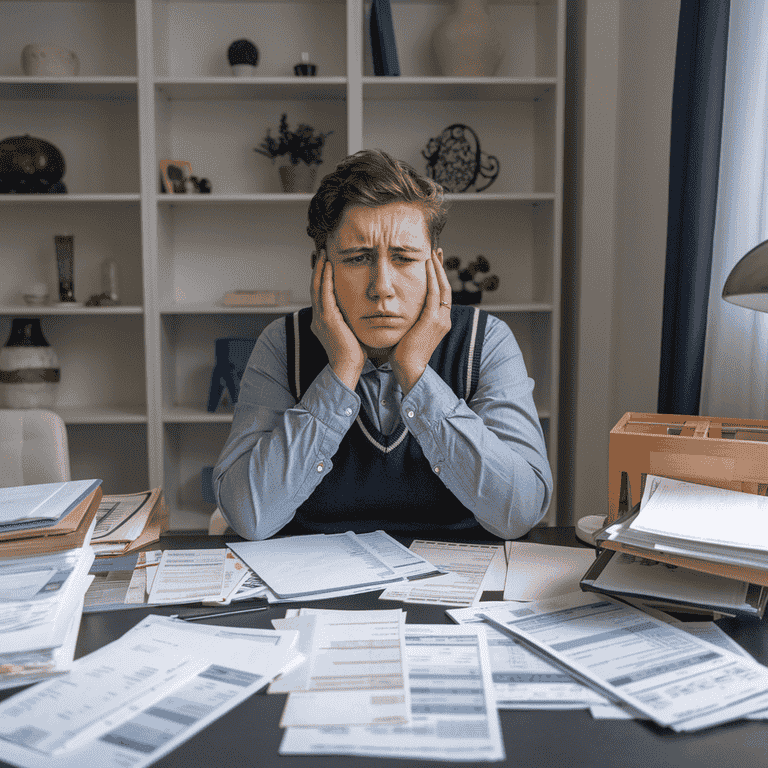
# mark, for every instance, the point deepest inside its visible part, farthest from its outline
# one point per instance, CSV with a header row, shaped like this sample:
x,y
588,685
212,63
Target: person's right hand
x,y
345,355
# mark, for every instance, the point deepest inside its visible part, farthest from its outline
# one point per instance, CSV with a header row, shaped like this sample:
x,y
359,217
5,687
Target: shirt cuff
x,y
429,402
331,401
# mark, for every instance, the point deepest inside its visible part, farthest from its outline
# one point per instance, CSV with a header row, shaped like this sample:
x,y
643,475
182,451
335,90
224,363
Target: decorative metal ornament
x,y
29,165
455,161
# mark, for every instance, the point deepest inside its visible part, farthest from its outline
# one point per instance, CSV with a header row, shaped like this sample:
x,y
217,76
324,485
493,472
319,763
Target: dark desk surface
x,y
249,735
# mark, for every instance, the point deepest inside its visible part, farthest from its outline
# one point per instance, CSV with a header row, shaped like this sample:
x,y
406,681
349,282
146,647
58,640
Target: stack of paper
x,y
412,691
126,523
46,518
41,602
705,529
44,562
330,565
354,673
672,588
138,698
208,576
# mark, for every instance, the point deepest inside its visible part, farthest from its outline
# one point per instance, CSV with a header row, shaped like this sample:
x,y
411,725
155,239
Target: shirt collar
x,y
369,367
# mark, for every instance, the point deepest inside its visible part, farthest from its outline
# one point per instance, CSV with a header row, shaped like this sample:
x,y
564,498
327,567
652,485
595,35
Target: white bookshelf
x,y
154,83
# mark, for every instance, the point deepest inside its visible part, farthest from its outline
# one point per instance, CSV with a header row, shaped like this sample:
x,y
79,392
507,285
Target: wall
x,y
619,109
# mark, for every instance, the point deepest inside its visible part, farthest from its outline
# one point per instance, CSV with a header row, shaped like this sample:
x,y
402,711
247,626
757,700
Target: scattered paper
x,y
542,571
186,575
453,713
466,563
521,679
355,671
654,668
138,698
295,567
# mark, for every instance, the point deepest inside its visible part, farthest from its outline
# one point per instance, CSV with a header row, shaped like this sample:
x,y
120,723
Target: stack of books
x,y
687,546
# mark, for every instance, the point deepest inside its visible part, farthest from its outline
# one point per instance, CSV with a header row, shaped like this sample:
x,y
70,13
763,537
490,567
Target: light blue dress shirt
x,y
489,452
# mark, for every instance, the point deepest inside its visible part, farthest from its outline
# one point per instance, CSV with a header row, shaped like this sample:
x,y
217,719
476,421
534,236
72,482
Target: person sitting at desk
x,y
382,406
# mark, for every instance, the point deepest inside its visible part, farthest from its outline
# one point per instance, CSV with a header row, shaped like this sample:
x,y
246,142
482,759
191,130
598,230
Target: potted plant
x,y
243,57
467,290
303,148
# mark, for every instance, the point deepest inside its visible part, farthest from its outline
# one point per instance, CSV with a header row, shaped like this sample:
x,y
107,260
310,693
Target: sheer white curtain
x,y
735,377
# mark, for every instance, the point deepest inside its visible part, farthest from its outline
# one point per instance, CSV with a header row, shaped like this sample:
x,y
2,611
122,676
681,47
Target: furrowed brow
x,y
359,248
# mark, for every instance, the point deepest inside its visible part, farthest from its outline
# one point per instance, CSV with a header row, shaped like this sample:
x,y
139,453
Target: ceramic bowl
x,y
41,61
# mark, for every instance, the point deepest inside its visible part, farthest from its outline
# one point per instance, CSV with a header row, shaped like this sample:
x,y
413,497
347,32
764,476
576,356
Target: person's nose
x,y
381,284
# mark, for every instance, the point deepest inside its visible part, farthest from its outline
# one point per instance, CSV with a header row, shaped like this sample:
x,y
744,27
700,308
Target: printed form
x,y
467,565
354,671
188,575
38,596
299,566
656,669
453,712
136,699
523,680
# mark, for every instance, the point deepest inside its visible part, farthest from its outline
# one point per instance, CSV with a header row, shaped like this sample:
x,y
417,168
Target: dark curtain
x,y
697,119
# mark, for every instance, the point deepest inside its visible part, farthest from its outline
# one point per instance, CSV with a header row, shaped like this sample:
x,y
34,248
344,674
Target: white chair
x,y
33,448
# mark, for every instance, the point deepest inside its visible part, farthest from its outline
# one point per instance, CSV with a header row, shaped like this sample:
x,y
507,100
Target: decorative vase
x,y
243,70
65,266
297,178
243,56
466,43
29,367
49,61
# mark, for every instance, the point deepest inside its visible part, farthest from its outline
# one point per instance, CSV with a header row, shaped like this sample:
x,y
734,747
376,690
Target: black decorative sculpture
x,y
455,161
30,165
243,52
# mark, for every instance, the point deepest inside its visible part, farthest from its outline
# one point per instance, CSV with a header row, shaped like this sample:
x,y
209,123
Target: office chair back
x,y
33,448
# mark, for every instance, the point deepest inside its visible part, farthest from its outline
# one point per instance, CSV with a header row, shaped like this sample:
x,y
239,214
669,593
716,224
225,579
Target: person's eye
x,y
358,258
401,259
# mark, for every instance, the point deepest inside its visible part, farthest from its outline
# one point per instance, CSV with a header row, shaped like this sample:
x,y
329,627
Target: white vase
x,y
243,70
37,61
466,43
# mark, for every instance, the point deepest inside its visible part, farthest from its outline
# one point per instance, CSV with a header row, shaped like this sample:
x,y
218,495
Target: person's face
x,y
379,258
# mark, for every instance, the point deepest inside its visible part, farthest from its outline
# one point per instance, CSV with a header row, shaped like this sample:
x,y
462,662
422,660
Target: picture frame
x,y
174,174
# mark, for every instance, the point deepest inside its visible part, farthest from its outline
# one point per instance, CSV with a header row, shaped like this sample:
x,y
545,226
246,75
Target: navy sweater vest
x,y
385,481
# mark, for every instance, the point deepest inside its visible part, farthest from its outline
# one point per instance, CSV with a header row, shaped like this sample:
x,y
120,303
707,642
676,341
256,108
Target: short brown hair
x,y
371,177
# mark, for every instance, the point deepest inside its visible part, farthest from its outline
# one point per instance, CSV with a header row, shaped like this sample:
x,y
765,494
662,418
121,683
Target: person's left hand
x,y
411,355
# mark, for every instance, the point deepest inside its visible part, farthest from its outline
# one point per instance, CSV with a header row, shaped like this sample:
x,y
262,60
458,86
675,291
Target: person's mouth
x,y
383,319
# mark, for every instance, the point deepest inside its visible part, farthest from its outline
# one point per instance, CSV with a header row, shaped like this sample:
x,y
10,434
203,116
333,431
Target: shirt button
x,y
320,467
437,469
348,411
410,414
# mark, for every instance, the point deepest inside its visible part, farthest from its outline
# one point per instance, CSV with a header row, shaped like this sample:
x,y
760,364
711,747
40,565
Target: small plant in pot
x,y
243,57
303,149
466,289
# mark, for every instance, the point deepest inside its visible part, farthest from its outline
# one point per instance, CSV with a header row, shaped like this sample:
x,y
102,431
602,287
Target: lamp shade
x,y
747,285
